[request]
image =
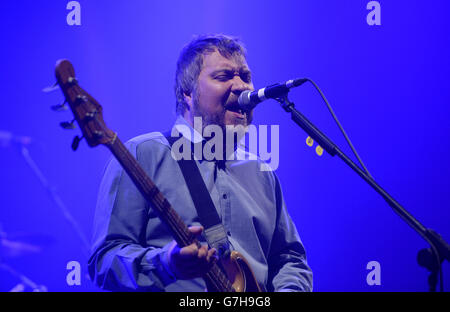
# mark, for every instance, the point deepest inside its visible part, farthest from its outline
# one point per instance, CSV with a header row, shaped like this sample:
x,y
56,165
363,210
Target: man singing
x,y
133,249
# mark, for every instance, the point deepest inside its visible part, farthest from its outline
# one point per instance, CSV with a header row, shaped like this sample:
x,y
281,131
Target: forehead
x,y
215,60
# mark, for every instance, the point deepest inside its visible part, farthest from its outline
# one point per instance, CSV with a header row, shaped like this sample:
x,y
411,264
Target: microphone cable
x,y
340,126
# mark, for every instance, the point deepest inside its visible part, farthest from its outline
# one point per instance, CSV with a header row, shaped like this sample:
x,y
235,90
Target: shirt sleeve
x,y
121,260
288,268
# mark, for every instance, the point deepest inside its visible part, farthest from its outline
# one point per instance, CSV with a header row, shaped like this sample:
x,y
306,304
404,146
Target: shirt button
x,y
224,196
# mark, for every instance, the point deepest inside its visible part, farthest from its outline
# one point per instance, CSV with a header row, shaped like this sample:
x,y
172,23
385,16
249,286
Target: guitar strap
x,y
214,231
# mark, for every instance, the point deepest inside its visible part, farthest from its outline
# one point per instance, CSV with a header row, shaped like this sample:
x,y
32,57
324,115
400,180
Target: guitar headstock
x,y
86,110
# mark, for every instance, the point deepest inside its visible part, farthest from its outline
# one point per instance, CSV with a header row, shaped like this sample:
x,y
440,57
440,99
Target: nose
x,y
239,85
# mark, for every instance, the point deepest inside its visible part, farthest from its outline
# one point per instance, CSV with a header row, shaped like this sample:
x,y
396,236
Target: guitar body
x,y
239,273
230,274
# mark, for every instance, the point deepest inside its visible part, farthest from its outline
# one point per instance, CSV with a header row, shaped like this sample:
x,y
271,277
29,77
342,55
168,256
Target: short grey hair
x,y
190,62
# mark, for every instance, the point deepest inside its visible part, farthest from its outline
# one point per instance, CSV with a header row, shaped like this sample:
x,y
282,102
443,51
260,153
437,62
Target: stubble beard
x,y
218,119
207,118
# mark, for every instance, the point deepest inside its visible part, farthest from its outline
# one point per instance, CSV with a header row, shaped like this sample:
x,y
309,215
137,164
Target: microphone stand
x,y
56,199
440,249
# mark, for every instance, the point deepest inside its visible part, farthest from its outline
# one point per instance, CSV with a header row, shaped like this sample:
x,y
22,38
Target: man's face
x,y
219,85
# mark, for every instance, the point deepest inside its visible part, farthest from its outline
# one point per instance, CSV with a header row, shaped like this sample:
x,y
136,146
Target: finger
x,y
189,251
202,252
212,255
196,230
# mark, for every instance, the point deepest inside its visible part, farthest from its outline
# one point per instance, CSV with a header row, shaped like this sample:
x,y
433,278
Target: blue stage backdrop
x,y
387,83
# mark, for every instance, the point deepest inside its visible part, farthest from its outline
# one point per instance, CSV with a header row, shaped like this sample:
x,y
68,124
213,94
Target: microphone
x,y
249,99
7,138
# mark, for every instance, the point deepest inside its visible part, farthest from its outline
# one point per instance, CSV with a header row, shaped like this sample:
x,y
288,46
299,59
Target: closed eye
x,y
246,76
225,75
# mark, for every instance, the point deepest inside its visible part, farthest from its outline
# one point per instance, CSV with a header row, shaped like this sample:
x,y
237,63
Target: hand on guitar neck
x,y
191,261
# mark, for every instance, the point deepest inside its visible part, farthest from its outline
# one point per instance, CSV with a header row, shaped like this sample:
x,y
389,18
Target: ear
x,y
188,100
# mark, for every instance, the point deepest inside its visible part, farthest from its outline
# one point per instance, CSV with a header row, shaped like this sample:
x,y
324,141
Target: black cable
x,y
340,126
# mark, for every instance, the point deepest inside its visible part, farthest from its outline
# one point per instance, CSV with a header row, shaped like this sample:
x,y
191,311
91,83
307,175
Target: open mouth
x,y
234,107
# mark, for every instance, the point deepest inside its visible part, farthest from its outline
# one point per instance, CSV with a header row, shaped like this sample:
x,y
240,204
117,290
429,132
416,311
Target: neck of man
x,y
231,134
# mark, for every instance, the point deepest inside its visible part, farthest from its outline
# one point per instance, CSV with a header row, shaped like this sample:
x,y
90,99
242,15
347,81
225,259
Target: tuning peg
x,y
89,116
59,107
76,142
54,87
98,134
81,99
72,80
68,125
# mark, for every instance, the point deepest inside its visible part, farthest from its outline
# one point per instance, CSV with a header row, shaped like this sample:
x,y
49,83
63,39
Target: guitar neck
x,y
214,277
152,194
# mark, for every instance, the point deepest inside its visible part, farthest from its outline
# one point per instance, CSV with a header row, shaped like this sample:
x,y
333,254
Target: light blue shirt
x,y
130,243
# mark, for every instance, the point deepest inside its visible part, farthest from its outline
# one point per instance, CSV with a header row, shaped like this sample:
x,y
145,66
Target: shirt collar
x,y
193,136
